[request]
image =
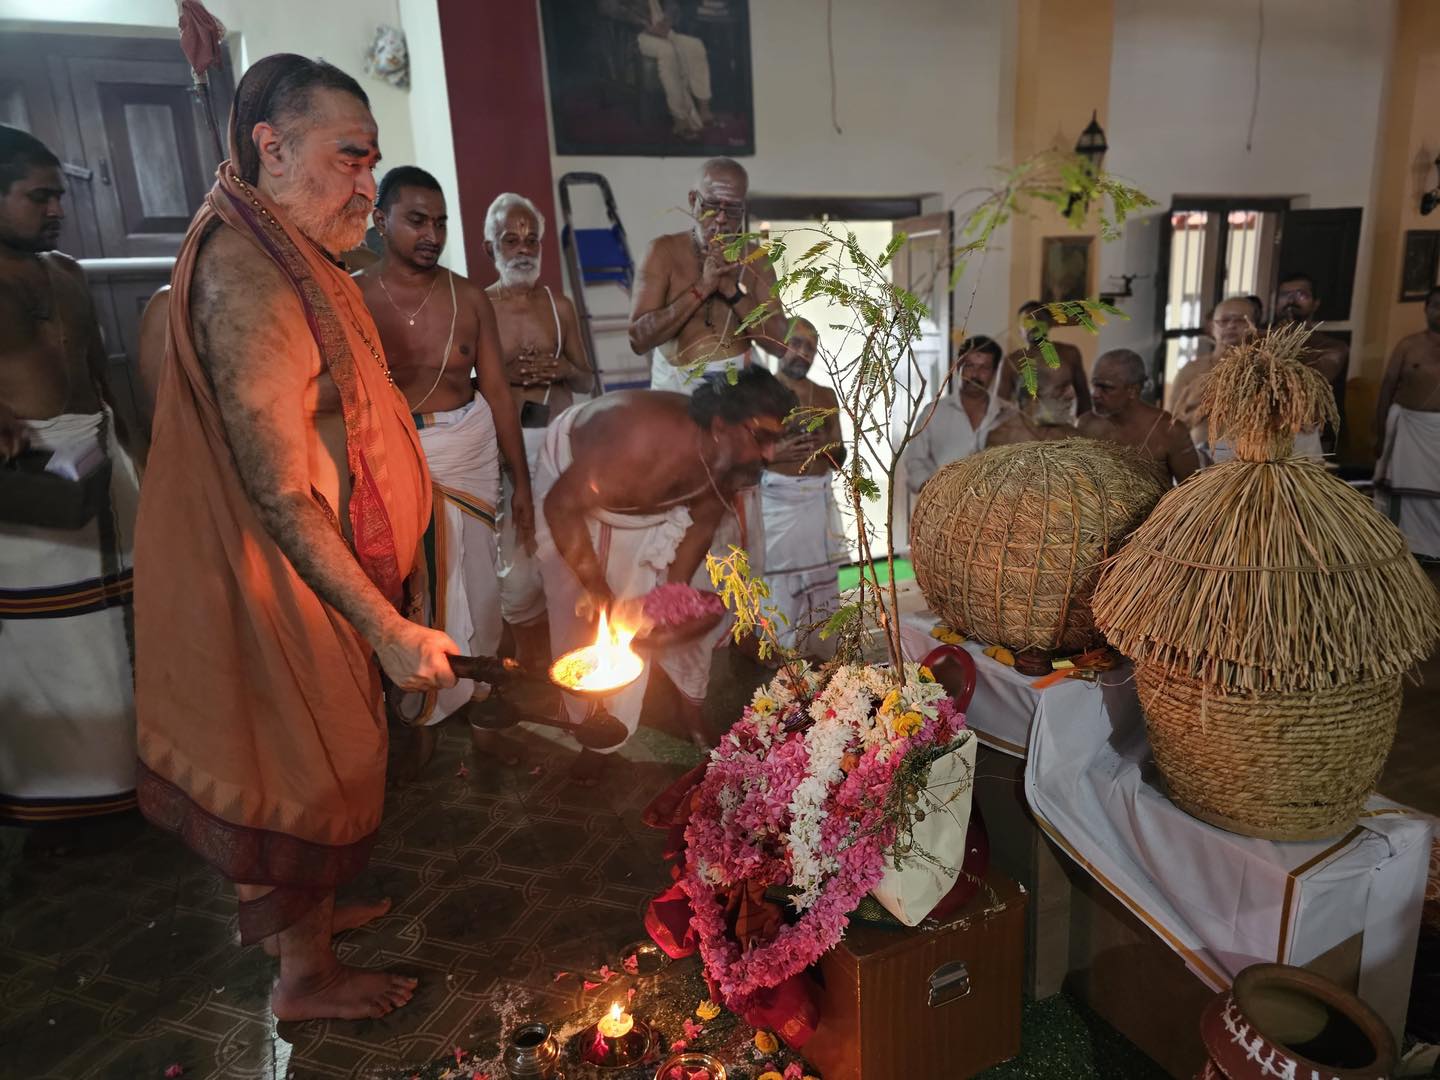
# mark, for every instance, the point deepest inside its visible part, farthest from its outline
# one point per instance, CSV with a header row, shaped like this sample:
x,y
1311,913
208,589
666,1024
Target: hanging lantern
x,y
1092,145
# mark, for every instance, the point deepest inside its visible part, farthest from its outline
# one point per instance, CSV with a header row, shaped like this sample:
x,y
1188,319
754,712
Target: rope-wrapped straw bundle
x,y
1007,544
1271,613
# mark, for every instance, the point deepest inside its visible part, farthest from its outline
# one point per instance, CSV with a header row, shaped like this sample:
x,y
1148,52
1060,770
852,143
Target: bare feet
x,y
347,917
345,993
492,744
588,768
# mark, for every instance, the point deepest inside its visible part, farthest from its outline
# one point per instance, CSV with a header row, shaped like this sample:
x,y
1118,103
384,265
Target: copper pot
x,y
1278,1020
532,1053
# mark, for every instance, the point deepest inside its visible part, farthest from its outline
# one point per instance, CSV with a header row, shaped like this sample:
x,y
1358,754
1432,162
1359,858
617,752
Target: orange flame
x,y
609,664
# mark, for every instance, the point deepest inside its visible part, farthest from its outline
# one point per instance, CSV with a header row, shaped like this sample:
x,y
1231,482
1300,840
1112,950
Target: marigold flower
x,y
764,706
926,675
891,700
707,1010
908,723
766,1044
771,1075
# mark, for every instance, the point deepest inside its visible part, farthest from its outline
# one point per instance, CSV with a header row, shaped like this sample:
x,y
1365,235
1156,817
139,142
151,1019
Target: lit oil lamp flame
x,y
607,665
617,1024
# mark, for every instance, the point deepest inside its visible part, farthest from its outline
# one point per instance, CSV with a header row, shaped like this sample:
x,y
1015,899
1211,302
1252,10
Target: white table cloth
x,y
1220,900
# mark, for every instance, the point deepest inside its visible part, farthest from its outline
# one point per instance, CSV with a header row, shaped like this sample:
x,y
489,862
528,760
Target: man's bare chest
x,y
526,326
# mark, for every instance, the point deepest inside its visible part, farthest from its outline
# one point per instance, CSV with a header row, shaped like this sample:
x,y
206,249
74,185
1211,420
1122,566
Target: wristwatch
x,y
739,294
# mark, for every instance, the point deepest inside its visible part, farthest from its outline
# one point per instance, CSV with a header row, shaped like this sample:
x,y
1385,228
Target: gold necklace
x,y
416,313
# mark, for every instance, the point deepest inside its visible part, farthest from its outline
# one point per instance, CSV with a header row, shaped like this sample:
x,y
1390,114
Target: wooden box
x,y
935,1001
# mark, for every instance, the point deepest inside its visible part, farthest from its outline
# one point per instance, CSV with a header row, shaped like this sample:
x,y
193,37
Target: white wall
x,y
920,91
337,30
429,115
1181,86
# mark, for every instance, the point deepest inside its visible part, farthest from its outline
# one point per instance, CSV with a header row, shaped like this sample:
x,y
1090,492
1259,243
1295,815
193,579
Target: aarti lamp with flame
x,y
596,671
617,1040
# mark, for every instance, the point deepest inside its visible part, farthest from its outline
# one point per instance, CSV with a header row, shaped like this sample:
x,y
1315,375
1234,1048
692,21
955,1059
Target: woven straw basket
x,y
1295,765
1007,544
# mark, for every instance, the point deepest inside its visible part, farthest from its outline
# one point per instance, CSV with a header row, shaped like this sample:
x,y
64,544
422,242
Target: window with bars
x,y
1213,248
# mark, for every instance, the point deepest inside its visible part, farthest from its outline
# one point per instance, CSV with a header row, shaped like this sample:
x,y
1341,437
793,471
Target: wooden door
x,y
28,102
146,141
922,266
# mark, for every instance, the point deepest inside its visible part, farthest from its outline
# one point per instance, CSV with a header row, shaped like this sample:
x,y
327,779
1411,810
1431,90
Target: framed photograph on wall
x,y
1065,268
1420,264
650,78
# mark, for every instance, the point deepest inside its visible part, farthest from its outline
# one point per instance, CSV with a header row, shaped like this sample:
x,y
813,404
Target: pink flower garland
x,y
738,832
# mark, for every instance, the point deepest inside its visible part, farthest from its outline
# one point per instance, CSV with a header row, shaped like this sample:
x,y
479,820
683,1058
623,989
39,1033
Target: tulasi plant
x,y
881,387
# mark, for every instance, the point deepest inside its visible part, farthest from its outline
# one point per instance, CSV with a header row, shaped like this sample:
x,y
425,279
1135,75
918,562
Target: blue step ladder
x,y
602,273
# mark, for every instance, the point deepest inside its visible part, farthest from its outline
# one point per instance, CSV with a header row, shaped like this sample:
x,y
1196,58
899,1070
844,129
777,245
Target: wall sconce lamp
x,y
1092,147
1431,198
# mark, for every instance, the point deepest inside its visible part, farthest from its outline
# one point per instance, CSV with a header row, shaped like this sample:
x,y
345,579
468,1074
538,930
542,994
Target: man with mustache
x,y
1233,323
1296,302
1120,416
958,424
279,539
804,537
635,485
67,736
543,355
438,327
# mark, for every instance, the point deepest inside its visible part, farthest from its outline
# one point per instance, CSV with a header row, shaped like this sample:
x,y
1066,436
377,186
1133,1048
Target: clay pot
x,y
1282,1021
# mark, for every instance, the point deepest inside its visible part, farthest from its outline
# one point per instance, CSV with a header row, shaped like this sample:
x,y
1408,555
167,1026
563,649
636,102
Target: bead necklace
x,y
274,224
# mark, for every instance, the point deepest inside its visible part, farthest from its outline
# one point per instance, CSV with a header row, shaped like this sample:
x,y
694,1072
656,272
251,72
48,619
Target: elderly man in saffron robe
x,y
279,537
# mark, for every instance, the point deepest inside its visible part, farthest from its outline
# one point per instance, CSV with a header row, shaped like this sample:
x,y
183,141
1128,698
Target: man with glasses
x,y
690,300
1233,324
637,486
1120,416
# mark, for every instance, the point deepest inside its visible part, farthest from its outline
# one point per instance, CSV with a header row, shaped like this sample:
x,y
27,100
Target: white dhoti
x,y
684,70
665,375
1407,477
522,592
67,712
460,545
1307,444
804,547
636,551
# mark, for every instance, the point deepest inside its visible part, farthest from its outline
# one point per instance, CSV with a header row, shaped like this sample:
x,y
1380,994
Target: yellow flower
x,y
1002,654
764,706
926,675
766,1044
888,705
771,1075
707,1010
908,723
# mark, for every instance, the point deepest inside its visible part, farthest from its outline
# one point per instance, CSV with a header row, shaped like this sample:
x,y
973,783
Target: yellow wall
x,y
1062,75
1409,141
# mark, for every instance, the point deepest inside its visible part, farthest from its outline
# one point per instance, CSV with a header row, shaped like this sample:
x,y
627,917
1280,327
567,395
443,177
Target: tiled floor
x,y
118,958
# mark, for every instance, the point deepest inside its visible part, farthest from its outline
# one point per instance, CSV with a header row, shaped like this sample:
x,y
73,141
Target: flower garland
x,y
795,796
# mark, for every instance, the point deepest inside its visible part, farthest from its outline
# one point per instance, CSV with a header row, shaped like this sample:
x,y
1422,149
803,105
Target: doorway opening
x,y
921,266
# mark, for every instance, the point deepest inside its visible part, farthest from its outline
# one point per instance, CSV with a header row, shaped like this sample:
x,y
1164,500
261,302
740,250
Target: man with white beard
x,y
544,360
437,327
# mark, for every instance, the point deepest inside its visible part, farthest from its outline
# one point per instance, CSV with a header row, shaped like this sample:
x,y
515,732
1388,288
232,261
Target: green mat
x,y
850,575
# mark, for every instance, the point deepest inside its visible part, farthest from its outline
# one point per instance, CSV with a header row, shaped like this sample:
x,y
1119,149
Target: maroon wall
x,y
495,75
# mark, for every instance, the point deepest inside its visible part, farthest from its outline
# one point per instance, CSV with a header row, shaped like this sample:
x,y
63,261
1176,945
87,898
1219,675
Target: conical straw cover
x,y
1261,395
